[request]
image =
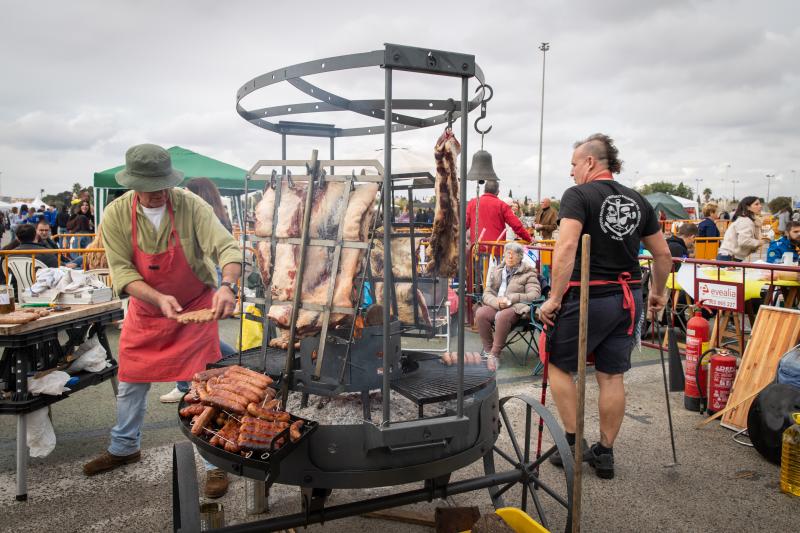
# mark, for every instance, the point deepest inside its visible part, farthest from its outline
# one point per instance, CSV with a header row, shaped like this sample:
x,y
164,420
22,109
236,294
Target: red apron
x,y
624,280
153,347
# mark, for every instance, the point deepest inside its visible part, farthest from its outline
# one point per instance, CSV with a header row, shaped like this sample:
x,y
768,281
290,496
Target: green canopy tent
x,y
228,178
662,202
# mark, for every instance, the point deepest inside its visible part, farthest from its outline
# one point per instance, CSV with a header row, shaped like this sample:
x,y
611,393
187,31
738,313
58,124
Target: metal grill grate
x,y
434,382
252,359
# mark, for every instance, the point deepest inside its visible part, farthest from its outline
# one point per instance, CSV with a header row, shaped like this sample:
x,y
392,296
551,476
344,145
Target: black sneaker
x,y
603,463
556,457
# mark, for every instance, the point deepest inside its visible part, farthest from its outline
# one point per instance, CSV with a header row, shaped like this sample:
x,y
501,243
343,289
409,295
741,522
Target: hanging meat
x,y
406,297
443,248
290,217
328,209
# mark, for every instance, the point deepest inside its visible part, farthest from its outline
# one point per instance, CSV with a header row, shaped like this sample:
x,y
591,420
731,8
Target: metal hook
x,y
483,108
272,178
450,113
289,180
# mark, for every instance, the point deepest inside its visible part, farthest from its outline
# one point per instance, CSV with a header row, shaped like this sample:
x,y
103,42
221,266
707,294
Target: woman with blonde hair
x,y
708,226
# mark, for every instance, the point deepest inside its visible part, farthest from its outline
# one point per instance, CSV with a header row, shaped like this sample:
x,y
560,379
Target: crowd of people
x,y
743,236
38,230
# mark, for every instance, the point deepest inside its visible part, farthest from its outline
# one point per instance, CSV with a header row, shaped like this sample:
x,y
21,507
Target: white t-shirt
x,y
155,214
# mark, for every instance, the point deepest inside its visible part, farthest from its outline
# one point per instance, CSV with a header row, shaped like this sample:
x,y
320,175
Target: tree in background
x,y
707,195
668,188
57,200
778,203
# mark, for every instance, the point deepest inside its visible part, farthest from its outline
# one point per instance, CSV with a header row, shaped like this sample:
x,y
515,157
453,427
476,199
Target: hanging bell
x,y
482,169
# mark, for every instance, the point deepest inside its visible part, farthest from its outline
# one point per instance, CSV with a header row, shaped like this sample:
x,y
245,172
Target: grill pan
x,y
257,465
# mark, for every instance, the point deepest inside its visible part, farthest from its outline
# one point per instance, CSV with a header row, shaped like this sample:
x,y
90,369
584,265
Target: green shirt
x,y
204,239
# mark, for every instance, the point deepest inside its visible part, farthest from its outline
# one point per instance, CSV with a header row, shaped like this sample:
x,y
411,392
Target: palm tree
x,y
707,194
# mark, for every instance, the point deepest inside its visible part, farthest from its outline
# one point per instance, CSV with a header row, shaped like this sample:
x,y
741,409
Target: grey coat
x,y
523,287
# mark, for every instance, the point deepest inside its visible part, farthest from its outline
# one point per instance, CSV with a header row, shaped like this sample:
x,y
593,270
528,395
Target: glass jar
x,y
6,299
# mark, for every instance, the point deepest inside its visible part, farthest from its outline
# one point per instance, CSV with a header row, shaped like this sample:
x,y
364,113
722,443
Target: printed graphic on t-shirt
x,y
619,216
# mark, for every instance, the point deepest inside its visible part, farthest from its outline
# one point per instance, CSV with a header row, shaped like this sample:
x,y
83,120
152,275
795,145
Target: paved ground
x,y
719,485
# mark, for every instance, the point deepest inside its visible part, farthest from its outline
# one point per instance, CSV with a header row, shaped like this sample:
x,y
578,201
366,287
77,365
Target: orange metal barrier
x,y
706,247
63,238
545,248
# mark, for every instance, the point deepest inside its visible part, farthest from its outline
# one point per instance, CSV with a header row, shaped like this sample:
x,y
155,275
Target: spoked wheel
x,y
522,446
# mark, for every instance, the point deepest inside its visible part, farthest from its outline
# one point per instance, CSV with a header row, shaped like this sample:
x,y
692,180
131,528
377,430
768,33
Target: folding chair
x,y
528,331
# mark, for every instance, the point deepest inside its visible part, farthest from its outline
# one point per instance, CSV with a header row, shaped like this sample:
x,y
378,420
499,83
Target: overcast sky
x,y
685,87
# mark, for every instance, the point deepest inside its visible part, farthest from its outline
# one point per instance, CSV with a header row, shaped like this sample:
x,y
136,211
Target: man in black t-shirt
x,y
617,218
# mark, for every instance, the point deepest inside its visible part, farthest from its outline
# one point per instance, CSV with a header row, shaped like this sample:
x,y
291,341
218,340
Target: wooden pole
x,y
583,327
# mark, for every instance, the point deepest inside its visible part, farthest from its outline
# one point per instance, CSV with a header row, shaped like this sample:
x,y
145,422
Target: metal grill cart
x,y
472,424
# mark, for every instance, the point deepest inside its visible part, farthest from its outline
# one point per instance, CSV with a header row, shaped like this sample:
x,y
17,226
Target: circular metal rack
x,y
477,424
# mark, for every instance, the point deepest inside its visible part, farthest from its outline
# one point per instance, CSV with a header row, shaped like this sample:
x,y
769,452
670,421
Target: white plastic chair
x,y
19,267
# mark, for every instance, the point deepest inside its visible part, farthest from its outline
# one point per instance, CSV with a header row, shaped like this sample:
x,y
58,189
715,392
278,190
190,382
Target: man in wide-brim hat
x,y
162,245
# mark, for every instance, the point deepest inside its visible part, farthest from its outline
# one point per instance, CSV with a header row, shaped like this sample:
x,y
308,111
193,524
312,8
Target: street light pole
x,y
734,181
794,178
727,171
697,181
769,181
544,48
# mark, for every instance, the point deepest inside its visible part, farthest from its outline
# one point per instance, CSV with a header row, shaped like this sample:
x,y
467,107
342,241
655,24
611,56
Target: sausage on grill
x,y
208,374
203,419
256,378
192,410
232,396
294,431
244,393
234,380
266,414
226,404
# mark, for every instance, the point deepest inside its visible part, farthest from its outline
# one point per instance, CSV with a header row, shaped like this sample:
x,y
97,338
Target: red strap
x,y
623,280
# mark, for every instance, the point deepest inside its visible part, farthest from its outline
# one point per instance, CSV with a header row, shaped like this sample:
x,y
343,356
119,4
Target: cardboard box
x,y
89,296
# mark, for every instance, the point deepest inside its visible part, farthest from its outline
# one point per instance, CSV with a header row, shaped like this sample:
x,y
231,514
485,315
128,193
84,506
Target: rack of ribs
x,y
330,208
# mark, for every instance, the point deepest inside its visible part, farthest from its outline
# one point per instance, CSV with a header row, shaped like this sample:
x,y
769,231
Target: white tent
x,y
36,203
405,160
690,206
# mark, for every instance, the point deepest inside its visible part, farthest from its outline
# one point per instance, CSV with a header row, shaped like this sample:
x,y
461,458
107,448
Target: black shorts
x,y
608,336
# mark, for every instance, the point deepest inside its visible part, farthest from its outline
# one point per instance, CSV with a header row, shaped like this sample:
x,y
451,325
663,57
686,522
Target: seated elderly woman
x,y
509,290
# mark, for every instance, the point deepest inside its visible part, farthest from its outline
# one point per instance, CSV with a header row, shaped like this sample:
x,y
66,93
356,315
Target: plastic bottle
x,y
790,458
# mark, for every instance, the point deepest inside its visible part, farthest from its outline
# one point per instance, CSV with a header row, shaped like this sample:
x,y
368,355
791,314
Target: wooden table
x,y
35,346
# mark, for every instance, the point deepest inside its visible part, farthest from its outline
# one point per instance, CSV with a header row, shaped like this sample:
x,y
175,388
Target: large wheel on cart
x,y
527,435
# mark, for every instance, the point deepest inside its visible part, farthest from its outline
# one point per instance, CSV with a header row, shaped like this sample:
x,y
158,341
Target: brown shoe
x,y
109,461
216,483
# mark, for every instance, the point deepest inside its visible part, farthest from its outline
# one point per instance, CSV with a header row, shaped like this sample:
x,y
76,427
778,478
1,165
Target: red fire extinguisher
x,y
697,336
721,371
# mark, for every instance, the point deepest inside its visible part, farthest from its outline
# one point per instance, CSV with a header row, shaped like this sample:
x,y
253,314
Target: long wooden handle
x,y
583,329
728,408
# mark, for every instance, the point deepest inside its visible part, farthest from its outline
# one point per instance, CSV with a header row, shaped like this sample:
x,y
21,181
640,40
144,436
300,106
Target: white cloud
x,y
39,130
